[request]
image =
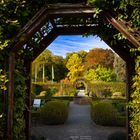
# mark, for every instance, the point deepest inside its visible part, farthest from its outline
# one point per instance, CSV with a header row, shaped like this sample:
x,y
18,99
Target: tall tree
x,y
120,68
42,66
75,67
100,74
38,65
99,56
60,70
82,54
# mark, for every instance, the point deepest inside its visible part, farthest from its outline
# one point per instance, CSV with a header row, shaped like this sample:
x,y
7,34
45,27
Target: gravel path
x,y
79,126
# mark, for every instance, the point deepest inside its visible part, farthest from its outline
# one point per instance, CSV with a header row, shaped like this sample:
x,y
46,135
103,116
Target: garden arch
x,y
64,19
83,81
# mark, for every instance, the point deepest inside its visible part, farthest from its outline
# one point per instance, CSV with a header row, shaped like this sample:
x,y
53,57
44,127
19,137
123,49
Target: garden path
x,y
79,126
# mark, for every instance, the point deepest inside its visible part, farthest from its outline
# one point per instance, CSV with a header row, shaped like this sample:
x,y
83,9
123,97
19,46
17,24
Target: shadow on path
x,y
79,126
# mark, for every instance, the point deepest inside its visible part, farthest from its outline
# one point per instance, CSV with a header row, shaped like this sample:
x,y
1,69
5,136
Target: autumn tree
x,y
99,56
82,54
68,55
75,67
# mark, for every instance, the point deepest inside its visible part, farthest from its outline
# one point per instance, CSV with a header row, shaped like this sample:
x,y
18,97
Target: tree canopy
x,y
75,67
44,62
99,56
125,9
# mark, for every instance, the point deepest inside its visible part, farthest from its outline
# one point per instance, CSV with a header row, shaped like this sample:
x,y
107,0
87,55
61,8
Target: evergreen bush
x,y
121,121
117,95
37,89
54,112
99,88
103,113
117,136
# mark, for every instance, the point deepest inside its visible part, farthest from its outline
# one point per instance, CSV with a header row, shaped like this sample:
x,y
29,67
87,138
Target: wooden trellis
x,y
64,19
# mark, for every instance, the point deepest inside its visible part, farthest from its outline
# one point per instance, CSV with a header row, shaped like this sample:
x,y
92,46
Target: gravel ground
x,y
79,126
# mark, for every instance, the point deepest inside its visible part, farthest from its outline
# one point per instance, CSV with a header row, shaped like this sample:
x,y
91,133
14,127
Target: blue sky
x,y
66,44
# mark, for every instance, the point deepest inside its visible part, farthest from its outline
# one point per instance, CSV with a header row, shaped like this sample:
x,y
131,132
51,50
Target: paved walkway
x,y
79,126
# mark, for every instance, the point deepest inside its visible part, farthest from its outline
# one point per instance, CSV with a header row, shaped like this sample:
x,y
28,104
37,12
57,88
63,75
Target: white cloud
x,y
66,44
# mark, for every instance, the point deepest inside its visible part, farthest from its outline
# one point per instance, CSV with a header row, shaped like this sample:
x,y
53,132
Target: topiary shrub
x,y
103,113
117,95
117,136
54,112
121,121
106,92
98,86
37,89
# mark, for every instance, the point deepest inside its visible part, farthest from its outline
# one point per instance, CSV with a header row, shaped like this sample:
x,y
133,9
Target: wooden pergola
x,y
64,19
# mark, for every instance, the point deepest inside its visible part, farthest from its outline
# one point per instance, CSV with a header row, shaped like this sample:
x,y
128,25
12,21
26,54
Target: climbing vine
x,y
135,103
2,115
3,82
19,106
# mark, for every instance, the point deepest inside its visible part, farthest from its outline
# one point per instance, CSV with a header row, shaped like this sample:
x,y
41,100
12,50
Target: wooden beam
x,y
10,97
52,22
74,30
28,35
44,43
68,12
68,5
63,10
40,19
125,30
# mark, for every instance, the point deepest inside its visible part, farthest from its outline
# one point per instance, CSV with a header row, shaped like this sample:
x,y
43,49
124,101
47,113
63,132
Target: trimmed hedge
x,y
69,98
99,89
117,136
103,110
104,113
55,112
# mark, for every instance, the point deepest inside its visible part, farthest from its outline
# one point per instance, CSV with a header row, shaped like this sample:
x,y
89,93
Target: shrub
x,y
117,95
121,106
98,87
117,136
49,93
106,92
121,121
103,113
37,89
69,98
55,112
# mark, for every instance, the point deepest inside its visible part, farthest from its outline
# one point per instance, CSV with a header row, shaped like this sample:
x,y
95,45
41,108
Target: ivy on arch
x,y
35,36
81,83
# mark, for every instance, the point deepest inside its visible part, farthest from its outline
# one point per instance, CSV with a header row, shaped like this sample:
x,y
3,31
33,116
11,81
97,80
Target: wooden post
x,y
28,100
10,109
130,70
4,92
